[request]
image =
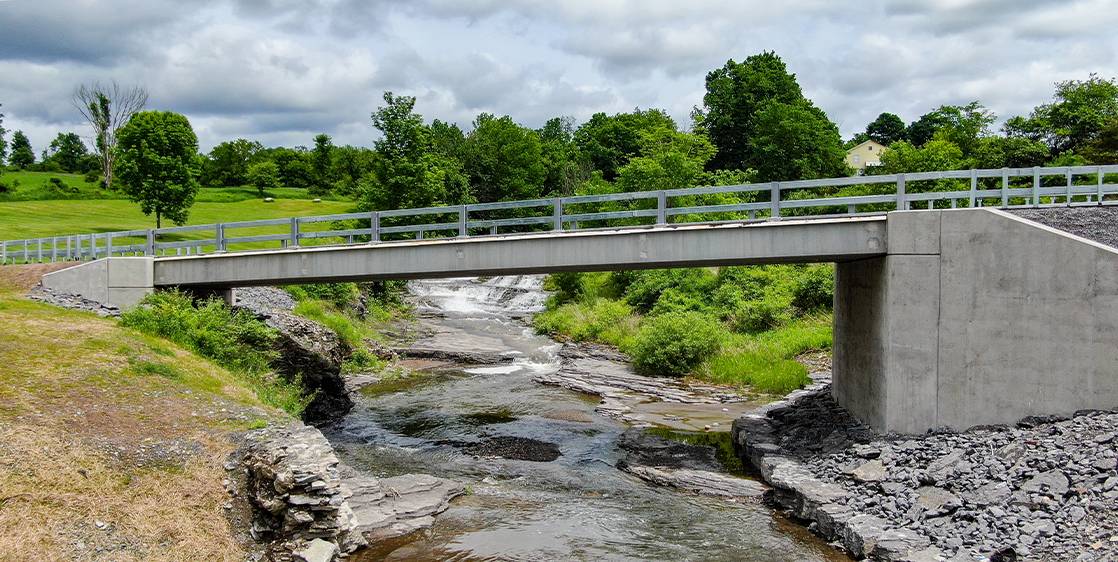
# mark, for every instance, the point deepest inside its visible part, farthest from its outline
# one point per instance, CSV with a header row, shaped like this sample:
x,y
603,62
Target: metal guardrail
x,y
1076,185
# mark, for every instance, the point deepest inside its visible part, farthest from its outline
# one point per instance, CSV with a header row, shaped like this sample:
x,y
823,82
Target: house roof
x,y
864,143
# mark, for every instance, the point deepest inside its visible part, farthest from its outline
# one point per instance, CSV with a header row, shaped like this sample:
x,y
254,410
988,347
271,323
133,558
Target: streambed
x,y
479,423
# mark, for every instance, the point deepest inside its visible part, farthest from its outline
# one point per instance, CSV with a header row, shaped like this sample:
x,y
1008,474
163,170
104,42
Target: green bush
x,y
676,300
341,295
567,286
814,288
646,287
759,315
675,343
603,320
231,338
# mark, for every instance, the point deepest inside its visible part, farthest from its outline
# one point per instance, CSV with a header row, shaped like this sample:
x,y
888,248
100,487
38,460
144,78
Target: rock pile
x,y
308,506
1046,489
73,302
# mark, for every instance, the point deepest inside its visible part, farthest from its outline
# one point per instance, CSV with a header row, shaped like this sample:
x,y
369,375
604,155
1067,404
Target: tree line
x,y
754,124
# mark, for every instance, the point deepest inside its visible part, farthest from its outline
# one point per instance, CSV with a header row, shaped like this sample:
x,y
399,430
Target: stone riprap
x,y
73,302
1045,489
308,506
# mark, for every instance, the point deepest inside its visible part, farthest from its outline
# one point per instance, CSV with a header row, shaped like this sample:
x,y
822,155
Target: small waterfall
x,y
508,296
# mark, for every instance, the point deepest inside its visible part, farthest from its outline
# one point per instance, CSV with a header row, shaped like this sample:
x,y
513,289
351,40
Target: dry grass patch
x,y
112,442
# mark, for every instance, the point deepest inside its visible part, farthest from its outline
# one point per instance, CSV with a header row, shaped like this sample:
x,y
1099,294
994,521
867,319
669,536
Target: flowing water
x,y
576,507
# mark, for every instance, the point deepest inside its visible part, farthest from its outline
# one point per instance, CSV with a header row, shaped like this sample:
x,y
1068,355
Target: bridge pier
x,y
974,317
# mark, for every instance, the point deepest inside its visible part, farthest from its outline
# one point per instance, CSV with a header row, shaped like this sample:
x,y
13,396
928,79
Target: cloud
x,y
280,71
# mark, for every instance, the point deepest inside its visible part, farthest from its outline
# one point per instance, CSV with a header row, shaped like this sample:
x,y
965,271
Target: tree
x,y
320,163
1103,149
1082,108
886,129
565,168
735,94
1009,152
669,159
159,164
408,172
68,151
350,164
264,175
22,155
608,142
227,164
905,157
795,141
503,160
107,107
962,125
3,141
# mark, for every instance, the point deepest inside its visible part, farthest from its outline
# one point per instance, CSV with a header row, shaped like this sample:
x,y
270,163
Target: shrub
x,y
674,343
759,315
233,339
92,176
814,288
675,300
603,320
647,286
773,375
341,295
567,286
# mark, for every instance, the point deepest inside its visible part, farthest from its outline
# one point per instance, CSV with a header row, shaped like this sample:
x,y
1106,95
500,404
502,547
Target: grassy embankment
x,y
112,440
740,326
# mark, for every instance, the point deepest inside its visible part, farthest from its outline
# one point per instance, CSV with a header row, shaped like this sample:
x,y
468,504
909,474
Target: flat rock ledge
x,y
309,507
683,466
1045,489
605,372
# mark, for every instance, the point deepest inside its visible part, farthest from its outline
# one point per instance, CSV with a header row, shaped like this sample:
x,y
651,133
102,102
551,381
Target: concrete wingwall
x,y
121,282
975,317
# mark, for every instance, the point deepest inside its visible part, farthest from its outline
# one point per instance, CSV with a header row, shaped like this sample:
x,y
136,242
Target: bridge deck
x,y
815,240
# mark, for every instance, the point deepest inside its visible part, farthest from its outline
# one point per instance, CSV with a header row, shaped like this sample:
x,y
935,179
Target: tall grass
x,y
233,339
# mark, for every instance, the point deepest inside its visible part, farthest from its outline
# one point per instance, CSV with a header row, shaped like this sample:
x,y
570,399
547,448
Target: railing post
x,y
374,227
4,252
149,248
26,252
902,197
419,235
293,241
53,249
1100,185
69,249
108,244
219,237
39,244
462,233
661,208
1036,186
556,216
1005,187
1068,188
774,201
973,187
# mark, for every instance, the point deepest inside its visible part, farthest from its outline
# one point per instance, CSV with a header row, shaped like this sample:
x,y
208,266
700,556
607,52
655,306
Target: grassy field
x,y
82,214
112,441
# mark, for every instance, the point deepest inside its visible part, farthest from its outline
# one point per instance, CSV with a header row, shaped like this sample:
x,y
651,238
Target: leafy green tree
x,y
886,129
23,156
734,96
349,164
1009,152
294,165
264,175
795,141
669,159
408,173
566,169
904,157
158,164
962,125
227,164
1082,108
68,151
503,160
1103,149
3,141
609,141
447,139
321,161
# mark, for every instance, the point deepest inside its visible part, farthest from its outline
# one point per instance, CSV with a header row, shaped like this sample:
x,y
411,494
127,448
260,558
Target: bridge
x,y
948,310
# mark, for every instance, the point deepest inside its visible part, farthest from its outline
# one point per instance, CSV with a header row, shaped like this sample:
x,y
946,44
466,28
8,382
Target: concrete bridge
x,y
943,317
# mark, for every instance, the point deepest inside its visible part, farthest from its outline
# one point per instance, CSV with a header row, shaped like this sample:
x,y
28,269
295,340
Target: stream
x,y
578,506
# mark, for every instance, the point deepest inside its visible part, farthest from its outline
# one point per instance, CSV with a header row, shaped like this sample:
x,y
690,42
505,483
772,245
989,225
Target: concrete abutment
x,y
975,317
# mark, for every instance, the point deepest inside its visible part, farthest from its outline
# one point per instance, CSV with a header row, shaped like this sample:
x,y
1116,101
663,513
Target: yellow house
x,y
866,154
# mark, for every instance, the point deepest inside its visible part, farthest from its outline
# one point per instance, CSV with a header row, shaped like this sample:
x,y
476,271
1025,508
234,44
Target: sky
x,y
281,71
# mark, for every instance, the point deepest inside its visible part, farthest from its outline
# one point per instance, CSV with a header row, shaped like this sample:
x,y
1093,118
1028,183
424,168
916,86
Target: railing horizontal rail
x,y
1000,187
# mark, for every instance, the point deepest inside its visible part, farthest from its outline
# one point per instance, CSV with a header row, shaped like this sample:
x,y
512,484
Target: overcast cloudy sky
x,y
280,71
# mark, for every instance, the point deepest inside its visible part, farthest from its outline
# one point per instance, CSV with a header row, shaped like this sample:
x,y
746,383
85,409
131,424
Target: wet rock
x,y
392,507
466,357
645,449
317,550
702,482
516,448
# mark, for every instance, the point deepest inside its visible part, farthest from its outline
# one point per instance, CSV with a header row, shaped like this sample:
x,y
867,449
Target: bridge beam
x,y
975,317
